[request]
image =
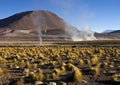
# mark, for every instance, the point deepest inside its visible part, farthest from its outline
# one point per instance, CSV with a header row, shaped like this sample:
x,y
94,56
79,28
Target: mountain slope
x,y
34,24
32,19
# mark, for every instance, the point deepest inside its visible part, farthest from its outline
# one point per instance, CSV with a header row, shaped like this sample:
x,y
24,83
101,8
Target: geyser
x,y
76,35
36,21
87,33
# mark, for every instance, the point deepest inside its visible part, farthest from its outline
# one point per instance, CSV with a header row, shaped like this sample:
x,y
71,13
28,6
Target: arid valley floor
x,y
63,63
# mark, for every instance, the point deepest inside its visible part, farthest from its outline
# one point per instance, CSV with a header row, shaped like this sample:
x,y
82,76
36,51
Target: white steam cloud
x,y
36,17
76,35
78,15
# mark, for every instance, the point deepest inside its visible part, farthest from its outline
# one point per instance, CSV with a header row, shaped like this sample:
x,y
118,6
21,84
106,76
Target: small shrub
x,y
20,82
35,66
54,75
81,62
3,71
87,61
57,71
95,70
28,65
39,77
116,77
77,75
94,60
62,69
69,66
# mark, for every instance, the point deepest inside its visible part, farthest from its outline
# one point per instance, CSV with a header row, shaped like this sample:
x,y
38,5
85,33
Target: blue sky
x,y
100,15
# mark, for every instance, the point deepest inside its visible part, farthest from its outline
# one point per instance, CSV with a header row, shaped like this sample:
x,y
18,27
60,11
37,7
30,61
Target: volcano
x,y
25,26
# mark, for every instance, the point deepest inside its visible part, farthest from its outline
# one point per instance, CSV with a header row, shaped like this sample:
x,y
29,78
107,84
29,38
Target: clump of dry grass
x,y
116,77
54,75
37,76
20,82
81,62
95,70
94,59
77,74
3,71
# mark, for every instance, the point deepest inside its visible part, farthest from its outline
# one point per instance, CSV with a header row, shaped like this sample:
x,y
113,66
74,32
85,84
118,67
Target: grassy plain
x,y
74,63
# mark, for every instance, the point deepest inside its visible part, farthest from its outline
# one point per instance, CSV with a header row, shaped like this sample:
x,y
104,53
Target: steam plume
x,y
81,14
36,17
76,35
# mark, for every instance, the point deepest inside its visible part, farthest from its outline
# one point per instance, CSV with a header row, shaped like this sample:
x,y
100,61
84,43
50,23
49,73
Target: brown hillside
x,y
26,25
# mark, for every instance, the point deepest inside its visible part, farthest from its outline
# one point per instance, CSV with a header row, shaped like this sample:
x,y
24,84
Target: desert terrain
x,y
40,48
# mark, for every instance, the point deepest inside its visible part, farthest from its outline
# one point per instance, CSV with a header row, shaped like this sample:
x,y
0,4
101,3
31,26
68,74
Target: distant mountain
x,y
115,31
115,34
111,31
107,31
